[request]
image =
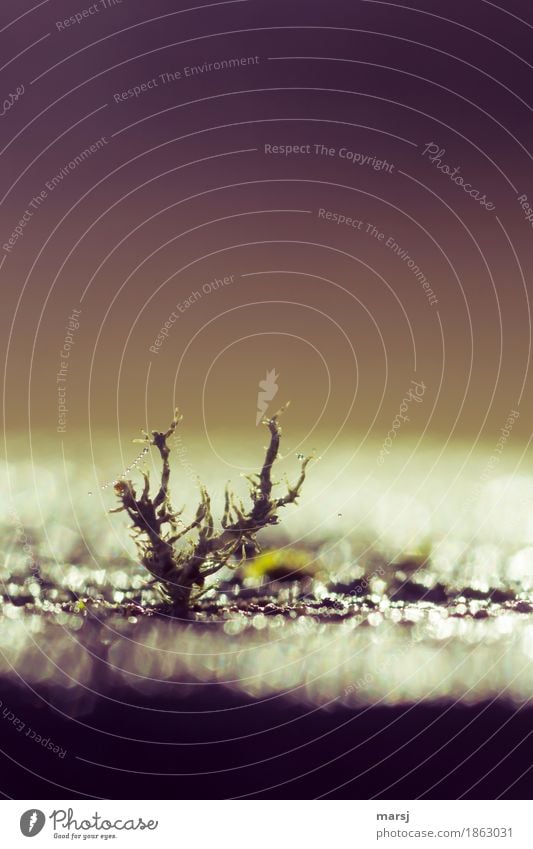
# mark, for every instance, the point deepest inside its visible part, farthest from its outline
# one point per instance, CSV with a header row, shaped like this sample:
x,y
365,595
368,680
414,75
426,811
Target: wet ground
x,y
391,635
295,689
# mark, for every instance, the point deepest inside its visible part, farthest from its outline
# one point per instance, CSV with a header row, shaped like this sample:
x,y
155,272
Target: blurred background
x,y
232,206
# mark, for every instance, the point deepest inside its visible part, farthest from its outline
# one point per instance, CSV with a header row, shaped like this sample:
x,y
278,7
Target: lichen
x,y
180,570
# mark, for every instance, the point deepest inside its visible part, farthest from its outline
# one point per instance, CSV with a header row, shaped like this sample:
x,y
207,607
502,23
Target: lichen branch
x,y
181,572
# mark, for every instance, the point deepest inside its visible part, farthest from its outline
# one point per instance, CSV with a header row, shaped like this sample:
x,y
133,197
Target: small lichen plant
x,y
179,565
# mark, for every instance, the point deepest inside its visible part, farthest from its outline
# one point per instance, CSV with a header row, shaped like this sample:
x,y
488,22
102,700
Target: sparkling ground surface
x,y
414,587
